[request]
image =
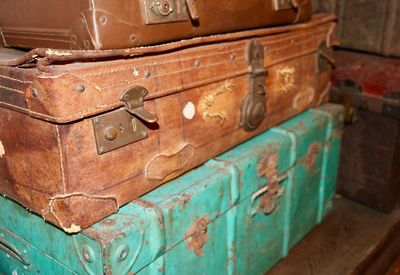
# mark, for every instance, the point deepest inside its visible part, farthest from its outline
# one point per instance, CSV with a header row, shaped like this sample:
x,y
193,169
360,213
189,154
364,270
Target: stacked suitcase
x,y
367,83
85,132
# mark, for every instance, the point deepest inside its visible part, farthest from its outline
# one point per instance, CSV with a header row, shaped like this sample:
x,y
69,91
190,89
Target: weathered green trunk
x,y
237,214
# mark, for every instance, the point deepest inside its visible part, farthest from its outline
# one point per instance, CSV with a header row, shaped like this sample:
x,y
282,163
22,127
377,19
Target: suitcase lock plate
x,y
168,11
123,126
254,108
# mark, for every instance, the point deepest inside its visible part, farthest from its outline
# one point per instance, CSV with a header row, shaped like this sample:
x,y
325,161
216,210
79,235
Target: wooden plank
x,y
350,239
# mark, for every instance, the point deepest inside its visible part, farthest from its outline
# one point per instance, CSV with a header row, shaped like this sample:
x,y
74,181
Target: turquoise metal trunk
x,y
239,213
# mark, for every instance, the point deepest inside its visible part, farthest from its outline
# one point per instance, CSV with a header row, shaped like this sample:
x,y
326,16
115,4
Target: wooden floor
x,y
353,239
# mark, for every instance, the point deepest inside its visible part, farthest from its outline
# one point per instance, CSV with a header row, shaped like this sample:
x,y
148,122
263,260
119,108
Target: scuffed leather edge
x,y
54,55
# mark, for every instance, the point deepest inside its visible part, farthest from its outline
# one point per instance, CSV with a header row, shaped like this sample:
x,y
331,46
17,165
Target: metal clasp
x,y
254,107
133,100
325,61
168,11
123,126
268,194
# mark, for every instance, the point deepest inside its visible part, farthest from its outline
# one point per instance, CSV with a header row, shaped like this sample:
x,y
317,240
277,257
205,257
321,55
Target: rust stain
x,y
184,200
311,157
108,222
145,204
268,167
181,201
197,236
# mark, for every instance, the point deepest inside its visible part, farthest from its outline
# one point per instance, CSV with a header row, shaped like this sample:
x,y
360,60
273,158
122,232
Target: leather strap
x,y
299,4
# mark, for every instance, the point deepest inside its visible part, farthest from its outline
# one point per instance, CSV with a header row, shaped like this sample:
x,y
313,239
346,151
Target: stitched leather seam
x,y
76,115
236,49
168,74
132,67
161,63
126,82
14,90
61,159
36,38
15,79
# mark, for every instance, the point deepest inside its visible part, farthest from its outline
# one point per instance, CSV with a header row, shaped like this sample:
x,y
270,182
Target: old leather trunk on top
x,y
104,24
96,135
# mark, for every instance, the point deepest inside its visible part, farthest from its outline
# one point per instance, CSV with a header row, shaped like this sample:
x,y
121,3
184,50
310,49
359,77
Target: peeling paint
x,y
197,235
2,150
72,229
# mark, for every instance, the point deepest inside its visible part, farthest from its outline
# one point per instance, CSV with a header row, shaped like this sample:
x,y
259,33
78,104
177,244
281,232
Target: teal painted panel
x,y
209,221
19,257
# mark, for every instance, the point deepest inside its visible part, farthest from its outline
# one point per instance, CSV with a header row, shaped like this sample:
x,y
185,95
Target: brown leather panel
x,y
104,24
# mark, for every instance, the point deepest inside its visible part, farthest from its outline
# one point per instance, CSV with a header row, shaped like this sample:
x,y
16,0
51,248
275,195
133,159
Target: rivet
x,y
35,92
86,44
73,39
102,19
87,254
25,267
144,92
2,235
7,256
110,133
24,251
97,121
147,74
232,56
80,88
101,150
197,63
132,37
124,254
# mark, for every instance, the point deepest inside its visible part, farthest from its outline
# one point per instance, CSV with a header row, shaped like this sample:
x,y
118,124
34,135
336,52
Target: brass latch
x,y
283,5
123,126
168,11
254,107
325,61
133,100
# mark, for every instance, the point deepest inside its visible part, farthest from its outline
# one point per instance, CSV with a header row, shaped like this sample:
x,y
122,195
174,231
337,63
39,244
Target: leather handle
x,y
12,251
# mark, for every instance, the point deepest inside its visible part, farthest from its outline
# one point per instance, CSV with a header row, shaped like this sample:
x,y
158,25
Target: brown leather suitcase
x,y
105,24
366,25
79,139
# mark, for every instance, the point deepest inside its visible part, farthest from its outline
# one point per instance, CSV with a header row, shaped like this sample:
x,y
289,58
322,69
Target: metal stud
x,y
80,88
35,92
